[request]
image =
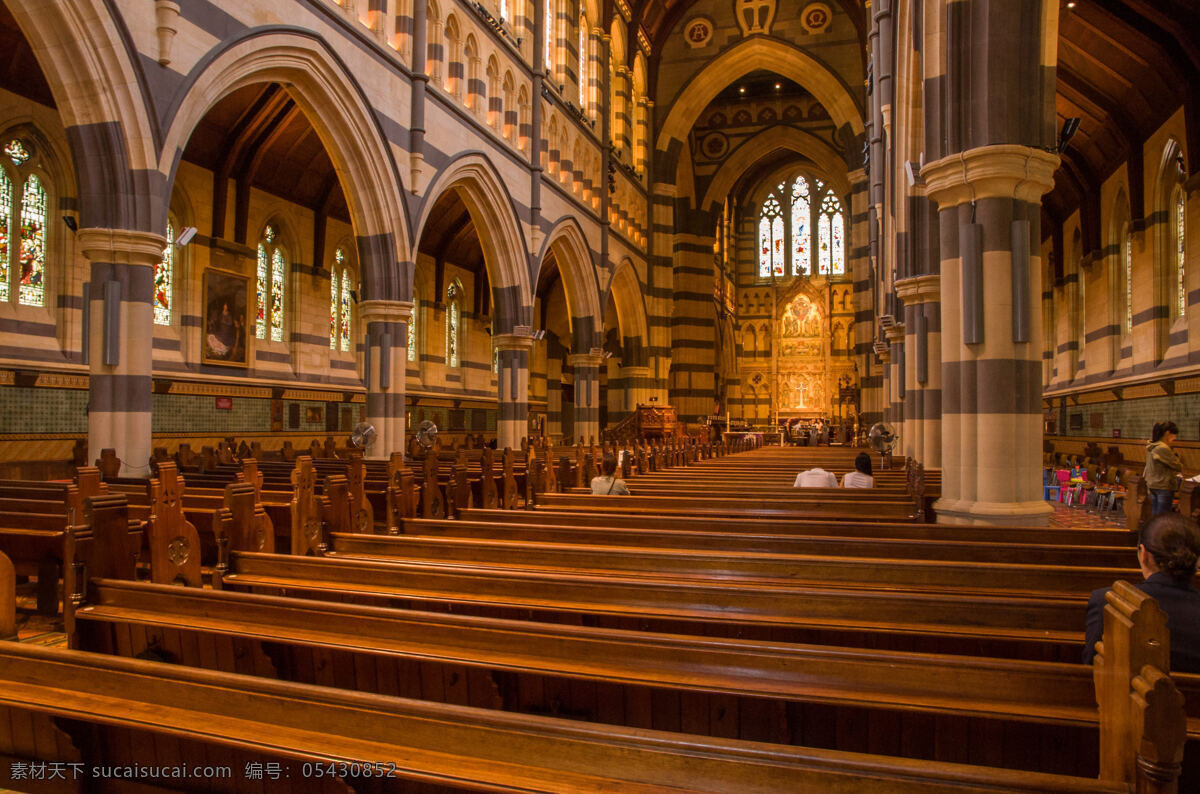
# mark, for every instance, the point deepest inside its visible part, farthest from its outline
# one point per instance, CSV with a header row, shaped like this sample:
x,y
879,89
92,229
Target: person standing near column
x,y
1162,467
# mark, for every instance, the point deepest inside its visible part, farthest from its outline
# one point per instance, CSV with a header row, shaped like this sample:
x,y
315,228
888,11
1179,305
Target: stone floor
x,y
1085,517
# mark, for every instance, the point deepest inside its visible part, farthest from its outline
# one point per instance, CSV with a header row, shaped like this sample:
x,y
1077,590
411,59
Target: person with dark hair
x,y
608,484
1162,467
1168,551
861,476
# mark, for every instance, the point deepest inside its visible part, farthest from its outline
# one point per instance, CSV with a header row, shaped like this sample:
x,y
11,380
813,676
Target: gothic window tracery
x,y
164,276
271,272
24,203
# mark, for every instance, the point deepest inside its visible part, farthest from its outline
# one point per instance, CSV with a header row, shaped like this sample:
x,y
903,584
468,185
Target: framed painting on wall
x,y
225,313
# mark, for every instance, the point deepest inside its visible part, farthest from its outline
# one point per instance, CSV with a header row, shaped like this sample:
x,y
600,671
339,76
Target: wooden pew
x,y
583,673
8,599
816,570
132,711
598,533
992,624
616,518
782,507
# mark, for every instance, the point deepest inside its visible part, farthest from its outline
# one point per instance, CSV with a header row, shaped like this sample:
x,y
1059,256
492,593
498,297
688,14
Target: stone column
x,y
120,356
587,394
554,427
512,384
895,381
386,368
923,365
639,383
989,208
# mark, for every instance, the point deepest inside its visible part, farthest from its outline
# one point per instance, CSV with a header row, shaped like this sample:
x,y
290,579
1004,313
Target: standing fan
x,y
362,436
426,434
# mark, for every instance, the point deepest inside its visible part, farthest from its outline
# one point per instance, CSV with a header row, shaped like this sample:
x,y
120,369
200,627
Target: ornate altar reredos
x,y
803,358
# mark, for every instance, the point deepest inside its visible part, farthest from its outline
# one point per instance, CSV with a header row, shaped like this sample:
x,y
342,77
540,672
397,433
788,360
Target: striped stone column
x,y
639,385
587,394
989,205
120,356
923,368
554,374
386,369
895,380
512,384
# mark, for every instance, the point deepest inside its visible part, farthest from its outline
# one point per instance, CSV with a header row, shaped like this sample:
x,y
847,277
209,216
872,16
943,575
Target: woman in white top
x,y
608,484
861,476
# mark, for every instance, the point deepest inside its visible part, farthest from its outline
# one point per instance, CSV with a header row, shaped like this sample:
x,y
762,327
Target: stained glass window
x,y
412,333
1128,257
452,325
5,223
333,310
33,243
1180,254
504,9
831,257
278,268
549,25
801,232
260,322
345,311
164,273
583,62
16,151
770,239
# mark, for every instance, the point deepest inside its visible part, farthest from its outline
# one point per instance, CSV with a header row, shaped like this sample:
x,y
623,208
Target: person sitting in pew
x,y
608,484
816,478
1168,552
861,476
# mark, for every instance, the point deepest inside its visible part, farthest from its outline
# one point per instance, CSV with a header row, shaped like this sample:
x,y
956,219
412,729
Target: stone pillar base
x,y
1022,514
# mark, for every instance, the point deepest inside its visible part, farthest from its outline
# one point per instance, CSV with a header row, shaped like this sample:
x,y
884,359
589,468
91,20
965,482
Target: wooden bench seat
x,y
139,711
570,670
610,515
882,547
813,570
1047,628
732,507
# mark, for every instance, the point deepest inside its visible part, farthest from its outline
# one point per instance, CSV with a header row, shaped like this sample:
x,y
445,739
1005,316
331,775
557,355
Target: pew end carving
x,y
173,540
1142,722
8,599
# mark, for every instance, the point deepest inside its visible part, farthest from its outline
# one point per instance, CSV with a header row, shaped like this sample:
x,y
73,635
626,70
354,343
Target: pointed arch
x,y
574,261
626,290
495,217
347,126
759,52
764,143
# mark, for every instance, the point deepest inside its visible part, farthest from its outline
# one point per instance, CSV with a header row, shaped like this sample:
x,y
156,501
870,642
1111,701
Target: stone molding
x,y
895,334
920,289
121,246
374,311
996,171
513,341
586,360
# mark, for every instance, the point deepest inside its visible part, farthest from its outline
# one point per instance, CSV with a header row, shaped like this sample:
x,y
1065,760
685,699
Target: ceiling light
x,y
778,86
742,90
1071,4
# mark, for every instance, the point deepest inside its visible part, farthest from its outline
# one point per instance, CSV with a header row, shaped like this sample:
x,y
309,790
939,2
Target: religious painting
x,y
801,347
225,315
801,318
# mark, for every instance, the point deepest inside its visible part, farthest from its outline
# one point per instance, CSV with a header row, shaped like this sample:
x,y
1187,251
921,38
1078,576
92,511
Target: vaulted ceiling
x,y
19,69
259,135
1124,66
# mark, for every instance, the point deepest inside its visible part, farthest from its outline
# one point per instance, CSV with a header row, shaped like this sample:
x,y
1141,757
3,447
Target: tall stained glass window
x,y
345,324
1180,252
6,194
24,203
164,273
278,268
271,281
33,243
831,253
1127,261
412,332
334,300
452,317
549,26
504,10
770,239
801,231
583,62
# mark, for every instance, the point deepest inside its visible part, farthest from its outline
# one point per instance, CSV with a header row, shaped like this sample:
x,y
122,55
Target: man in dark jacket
x,y
1168,552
